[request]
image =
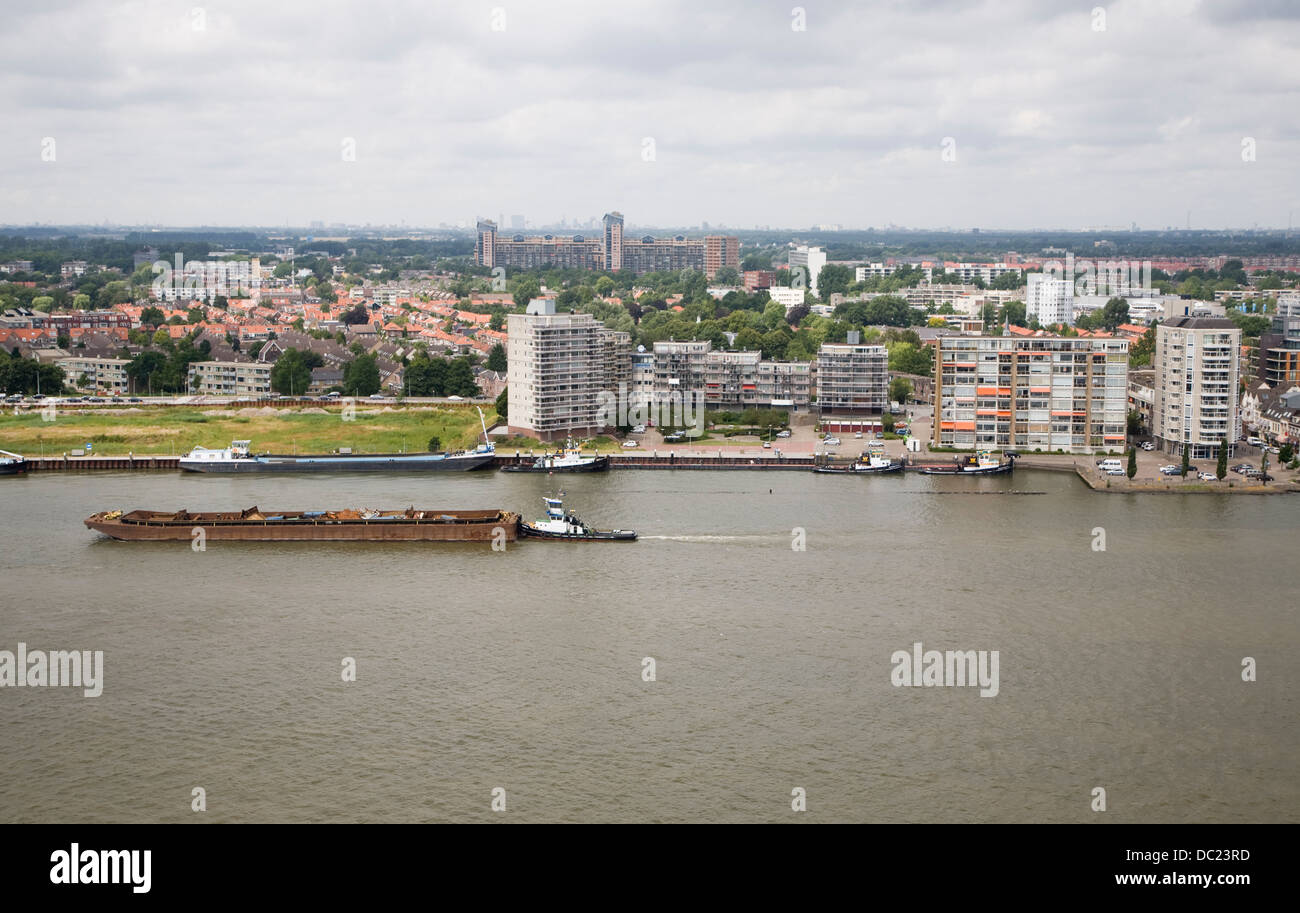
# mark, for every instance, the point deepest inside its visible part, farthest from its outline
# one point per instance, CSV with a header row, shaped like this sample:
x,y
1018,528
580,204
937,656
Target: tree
x,y
887,423
435,444
1132,469
1187,461
496,360
900,390
1114,313
143,367
152,316
833,279
291,375
81,302
1221,469
502,405
355,315
525,291
1285,453
361,376
460,379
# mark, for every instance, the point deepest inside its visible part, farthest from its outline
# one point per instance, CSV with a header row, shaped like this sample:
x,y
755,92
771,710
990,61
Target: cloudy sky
x,y
924,113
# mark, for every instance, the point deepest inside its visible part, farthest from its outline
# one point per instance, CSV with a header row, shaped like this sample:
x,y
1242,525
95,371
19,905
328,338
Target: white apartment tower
x,y
1048,299
811,259
1197,370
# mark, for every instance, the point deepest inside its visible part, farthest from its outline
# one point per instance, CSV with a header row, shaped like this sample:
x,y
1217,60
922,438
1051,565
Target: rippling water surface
x,y
523,669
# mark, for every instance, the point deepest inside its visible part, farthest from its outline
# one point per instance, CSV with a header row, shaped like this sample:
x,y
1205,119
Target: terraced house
x,y
1045,393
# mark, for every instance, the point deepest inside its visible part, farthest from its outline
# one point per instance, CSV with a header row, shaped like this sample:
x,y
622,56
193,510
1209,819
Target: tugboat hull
x,y
853,471
612,535
599,464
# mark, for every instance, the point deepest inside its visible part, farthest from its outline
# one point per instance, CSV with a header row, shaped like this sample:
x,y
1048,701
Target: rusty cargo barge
x,y
254,525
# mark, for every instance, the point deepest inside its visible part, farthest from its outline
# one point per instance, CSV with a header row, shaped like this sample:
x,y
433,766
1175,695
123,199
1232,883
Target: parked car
x,y
831,441
1207,477
857,434
1170,470
1274,449
783,434
1148,446
638,429
1115,472
629,444
880,435
767,445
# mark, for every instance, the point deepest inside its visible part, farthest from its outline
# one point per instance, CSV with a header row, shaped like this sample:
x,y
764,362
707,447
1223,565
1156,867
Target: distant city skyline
x,y
935,115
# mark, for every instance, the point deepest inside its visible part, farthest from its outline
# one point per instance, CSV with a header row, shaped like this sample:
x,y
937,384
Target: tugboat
x,y
982,462
12,464
568,459
872,461
560,524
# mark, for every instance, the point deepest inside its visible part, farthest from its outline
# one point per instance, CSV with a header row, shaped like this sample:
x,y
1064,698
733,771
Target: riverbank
x,y
310,429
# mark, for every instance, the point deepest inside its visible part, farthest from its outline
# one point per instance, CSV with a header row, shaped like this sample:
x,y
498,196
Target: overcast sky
x,y
238,113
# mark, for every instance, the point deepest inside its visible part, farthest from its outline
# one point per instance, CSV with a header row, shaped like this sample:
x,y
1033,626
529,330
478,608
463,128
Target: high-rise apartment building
x,y
1049,300
1031,393
611,251
1279,351
852,379
1197,365
811,259
557,368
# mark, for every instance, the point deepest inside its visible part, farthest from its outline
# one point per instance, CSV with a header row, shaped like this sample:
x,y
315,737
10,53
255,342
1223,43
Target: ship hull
x,y
13,468
959,471
444,526
599,464
873,471
342,463
613,535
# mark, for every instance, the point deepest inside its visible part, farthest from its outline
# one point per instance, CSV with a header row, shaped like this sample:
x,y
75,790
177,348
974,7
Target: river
x,y
1119,669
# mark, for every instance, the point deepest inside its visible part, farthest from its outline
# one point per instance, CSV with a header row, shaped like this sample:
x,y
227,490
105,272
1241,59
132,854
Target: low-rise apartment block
x,y
230,378
106,375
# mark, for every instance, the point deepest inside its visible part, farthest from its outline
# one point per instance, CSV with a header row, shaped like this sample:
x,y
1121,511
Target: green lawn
x,y
164,431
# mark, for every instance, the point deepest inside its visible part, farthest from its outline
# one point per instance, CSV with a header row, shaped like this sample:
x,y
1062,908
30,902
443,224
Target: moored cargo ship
x,y
348,525
238,457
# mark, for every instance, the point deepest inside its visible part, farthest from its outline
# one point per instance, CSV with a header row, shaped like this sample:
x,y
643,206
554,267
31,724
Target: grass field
x,y
169,431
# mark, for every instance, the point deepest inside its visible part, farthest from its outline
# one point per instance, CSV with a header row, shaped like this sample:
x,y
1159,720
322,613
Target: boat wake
x,y
719,538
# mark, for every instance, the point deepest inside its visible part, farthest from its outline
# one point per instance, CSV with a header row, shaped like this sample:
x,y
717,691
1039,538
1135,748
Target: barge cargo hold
x,y
254,525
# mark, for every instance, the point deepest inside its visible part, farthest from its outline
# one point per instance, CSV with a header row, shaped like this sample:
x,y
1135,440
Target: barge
x,y
238,457
348,525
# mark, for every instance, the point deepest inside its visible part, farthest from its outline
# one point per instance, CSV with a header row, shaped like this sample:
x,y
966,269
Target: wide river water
x,y
1119,669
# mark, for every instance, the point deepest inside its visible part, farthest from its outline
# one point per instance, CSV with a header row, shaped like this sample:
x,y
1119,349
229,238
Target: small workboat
x,y
561,524
872,461
12,464
568,459
982,462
